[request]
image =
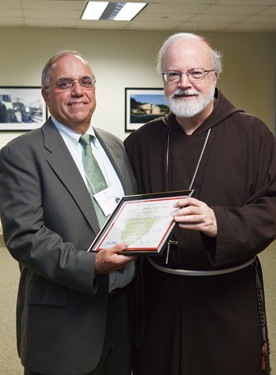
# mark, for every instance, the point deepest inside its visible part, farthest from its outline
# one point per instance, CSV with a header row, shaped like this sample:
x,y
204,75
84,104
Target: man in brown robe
x,y
204,299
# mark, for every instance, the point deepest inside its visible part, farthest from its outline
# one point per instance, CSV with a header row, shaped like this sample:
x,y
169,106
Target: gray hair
x,y
46,72
216,56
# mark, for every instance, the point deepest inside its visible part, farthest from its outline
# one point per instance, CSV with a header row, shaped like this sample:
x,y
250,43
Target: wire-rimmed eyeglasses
x,y
64,84
195,74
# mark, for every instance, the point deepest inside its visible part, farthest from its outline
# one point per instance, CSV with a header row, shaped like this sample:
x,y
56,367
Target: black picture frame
x,y
21,108
143,105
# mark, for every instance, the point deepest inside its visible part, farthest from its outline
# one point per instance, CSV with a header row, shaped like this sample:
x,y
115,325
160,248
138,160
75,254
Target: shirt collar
x,y
69,133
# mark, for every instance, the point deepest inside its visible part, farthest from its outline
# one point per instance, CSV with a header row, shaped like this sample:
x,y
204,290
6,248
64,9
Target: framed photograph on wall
x,y
21,108
143,105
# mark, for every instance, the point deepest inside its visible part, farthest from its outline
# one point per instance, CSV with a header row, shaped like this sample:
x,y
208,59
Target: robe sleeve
x,y
245,231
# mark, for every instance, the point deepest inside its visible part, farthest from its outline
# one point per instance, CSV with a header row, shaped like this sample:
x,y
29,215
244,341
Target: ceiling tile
x,y
172,15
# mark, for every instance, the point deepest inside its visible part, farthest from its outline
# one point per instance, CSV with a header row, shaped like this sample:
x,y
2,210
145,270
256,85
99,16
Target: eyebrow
x,y
75,78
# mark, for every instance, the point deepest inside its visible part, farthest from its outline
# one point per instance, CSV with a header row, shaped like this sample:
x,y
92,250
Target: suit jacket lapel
x,y
66,170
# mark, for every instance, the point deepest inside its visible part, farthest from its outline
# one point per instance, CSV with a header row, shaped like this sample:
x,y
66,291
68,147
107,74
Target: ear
x,y
45,95
216,77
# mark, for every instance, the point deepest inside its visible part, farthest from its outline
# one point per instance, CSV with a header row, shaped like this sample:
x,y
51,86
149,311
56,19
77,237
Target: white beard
x,y
191,107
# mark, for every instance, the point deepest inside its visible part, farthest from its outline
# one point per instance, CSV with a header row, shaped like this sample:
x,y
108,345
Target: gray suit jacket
x,y
48,219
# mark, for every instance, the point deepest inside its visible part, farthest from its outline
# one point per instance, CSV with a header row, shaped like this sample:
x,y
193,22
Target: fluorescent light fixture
x,y
98,10
129,11
94,10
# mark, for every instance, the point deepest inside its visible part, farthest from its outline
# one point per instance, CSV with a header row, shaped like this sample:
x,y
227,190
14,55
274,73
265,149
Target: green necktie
x,y
94,176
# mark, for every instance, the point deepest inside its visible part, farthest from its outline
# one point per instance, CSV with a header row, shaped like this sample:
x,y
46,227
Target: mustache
x,y
184,92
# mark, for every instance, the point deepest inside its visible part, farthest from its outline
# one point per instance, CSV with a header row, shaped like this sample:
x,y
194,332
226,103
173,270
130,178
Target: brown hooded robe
x,y
208,325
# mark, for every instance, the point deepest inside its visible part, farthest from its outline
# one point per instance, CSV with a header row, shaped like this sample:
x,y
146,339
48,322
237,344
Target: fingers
x,y
119,247
208,226
187,201
194,214
188,206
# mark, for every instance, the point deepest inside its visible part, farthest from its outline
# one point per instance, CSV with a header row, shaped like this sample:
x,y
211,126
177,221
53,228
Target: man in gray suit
x,y
74,306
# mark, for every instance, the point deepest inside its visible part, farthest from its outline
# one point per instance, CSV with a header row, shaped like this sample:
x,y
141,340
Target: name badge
x,y
107,199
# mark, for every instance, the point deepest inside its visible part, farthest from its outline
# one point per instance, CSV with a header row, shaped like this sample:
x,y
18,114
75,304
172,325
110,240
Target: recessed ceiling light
x,y
99,10
129,11
94,10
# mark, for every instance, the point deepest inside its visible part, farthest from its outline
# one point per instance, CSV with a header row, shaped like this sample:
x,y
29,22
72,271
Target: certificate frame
x,y
143,221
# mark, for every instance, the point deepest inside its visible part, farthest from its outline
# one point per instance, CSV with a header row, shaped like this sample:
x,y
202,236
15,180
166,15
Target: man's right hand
x,y
112,259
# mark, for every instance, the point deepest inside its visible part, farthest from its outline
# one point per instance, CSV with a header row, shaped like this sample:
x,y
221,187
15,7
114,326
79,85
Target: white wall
x,y
123,59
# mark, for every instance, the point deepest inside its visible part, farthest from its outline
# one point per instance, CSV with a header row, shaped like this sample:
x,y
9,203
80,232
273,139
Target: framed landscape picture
x,y
21,108
143,105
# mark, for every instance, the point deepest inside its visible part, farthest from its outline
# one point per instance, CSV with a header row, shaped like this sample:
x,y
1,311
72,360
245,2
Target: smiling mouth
x,y
76,104
179,96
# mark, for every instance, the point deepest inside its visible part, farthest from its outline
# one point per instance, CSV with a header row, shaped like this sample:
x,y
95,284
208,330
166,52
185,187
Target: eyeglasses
x,y
64,84
195,74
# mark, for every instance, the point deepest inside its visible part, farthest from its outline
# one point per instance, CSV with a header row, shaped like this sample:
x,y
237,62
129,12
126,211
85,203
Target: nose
x,y
184,81
76,89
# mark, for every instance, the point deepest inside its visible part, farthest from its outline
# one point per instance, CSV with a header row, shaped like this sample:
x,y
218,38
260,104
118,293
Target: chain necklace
x,y
198,162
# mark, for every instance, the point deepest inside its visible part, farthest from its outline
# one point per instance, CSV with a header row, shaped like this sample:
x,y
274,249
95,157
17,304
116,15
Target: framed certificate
x,y
143,221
